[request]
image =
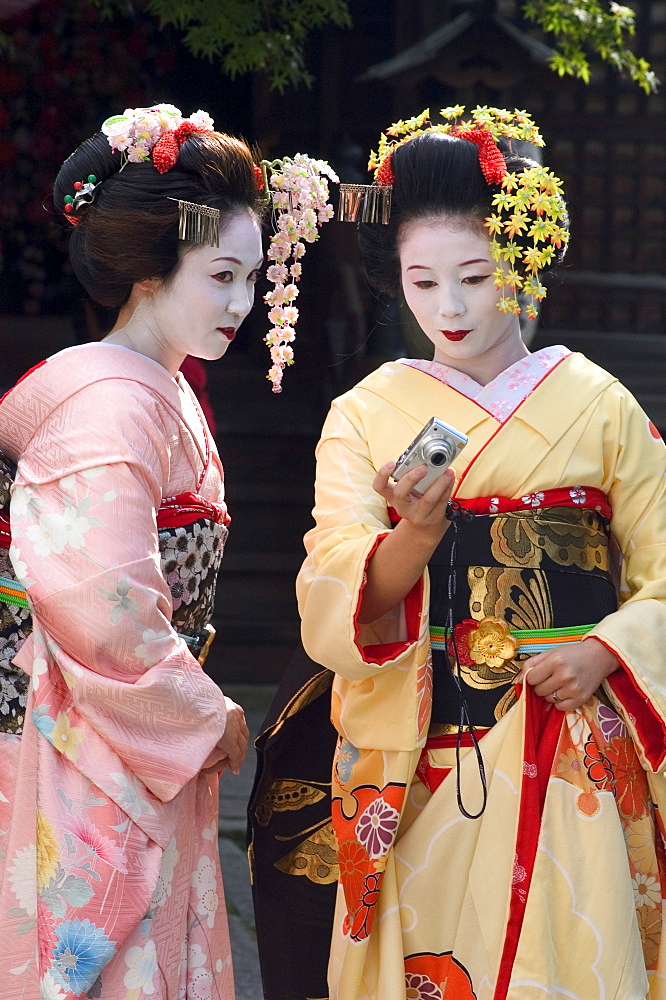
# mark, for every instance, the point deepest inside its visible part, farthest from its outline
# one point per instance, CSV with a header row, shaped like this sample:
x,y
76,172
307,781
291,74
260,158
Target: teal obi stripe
x,y
11,592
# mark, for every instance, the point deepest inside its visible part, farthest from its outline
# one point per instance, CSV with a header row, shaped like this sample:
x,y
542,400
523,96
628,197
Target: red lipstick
x,y
228,331
455,334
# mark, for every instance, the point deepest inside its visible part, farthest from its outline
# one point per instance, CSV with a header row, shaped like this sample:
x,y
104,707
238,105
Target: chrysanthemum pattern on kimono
x,y
109,876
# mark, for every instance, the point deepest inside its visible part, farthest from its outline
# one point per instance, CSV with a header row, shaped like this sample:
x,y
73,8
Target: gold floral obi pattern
x,y
525,580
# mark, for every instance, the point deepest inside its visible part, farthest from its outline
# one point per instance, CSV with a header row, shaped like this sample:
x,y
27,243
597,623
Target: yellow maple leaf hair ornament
x,y
528,221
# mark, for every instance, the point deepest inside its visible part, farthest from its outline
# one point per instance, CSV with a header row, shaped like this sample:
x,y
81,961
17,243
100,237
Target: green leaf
x,y
605,32
247,36
76,891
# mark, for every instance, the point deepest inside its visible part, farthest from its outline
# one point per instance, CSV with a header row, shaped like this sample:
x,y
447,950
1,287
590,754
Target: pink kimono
x,y
110,884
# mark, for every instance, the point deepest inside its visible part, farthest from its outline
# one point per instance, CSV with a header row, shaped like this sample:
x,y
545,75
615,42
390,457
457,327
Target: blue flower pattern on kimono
x,y
347,757
80,954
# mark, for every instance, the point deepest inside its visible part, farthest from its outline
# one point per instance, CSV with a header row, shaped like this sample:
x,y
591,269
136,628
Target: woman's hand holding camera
x,y
231,748
426,513
569,676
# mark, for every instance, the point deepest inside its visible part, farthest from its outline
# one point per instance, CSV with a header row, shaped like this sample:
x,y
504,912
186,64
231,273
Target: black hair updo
x,y
436,175
130,231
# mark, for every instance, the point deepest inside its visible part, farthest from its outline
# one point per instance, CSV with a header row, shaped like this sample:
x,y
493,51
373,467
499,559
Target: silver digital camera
x,y
436,446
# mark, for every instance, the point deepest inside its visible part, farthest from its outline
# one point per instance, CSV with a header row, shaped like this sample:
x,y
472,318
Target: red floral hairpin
x,y
491,160
167,147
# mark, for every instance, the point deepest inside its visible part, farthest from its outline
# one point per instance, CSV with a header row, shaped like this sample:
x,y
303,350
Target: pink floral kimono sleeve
x,y
112,682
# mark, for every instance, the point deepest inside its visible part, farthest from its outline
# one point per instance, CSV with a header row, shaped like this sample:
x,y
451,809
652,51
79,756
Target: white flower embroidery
x,y
191,957
533,499
39,667
578,495
155,646
163,887
519,874
210,832
199,985
647,890
54,532
20,503
43,537
20,568
141,967
69,483
130,797
195,956
49,989
23,878
205,883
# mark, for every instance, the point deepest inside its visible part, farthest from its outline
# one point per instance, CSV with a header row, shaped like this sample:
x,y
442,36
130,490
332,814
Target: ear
x,y
146,287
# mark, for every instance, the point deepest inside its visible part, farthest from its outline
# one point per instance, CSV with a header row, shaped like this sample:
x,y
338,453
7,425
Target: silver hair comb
x,y
371,200
198,223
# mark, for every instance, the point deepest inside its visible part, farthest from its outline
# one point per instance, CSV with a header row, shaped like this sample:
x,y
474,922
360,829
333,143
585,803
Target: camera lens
x,y
438,452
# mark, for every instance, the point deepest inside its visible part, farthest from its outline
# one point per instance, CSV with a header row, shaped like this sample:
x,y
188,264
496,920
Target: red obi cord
x,y
176,512
578,497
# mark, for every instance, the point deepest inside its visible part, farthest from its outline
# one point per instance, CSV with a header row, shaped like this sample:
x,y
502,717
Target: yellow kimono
x,y
555,891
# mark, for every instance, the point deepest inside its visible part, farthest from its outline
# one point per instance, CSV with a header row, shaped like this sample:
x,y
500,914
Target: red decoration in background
x,y
259,177
491,160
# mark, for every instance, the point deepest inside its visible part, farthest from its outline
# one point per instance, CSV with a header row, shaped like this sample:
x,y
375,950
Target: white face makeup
x,y
447,280
200,309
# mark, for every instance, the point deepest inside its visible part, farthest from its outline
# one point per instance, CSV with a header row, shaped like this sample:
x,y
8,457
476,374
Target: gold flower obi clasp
x,y
487,642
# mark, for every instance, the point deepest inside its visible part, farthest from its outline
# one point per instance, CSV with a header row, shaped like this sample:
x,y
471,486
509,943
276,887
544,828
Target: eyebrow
x,y
424,267
235,260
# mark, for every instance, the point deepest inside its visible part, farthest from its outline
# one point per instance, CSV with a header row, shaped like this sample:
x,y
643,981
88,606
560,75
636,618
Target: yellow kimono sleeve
x,y
636,633
351,520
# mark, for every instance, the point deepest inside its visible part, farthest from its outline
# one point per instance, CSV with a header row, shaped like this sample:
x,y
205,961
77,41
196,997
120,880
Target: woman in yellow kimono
x,y
500,710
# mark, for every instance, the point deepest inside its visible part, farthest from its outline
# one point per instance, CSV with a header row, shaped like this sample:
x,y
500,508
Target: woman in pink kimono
x,y
109,875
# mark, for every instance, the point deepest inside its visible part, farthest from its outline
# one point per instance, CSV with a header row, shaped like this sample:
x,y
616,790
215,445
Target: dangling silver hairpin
x,y
198,223
372,200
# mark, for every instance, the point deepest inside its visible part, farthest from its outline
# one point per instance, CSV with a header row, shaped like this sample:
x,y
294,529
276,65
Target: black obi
x,y
536,569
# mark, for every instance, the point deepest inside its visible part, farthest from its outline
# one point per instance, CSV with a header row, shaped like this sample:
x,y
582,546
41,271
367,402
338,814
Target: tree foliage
x,y
603,28
247,35
269,36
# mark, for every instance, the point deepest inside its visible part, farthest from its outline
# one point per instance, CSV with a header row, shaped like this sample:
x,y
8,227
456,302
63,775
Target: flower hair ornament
x,y
160,130
140,134
298,191
296,188
529,204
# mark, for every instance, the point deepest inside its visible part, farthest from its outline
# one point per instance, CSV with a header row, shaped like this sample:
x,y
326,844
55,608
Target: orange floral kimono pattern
x,y
109,874
556,890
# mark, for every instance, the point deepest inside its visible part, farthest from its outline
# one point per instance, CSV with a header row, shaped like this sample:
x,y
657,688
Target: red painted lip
x,y
228,331
455,334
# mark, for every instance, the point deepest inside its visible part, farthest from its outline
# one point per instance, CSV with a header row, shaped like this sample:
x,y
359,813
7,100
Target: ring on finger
x,y
555,696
